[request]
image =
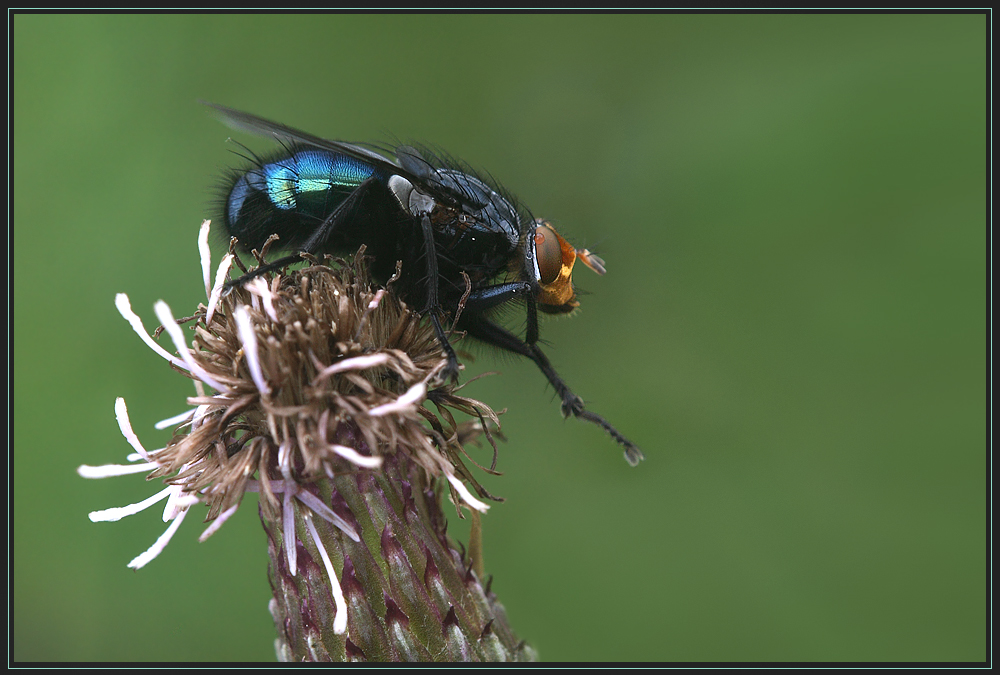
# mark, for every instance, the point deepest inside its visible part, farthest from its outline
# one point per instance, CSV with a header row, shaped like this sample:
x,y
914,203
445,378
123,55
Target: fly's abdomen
x,y
291,196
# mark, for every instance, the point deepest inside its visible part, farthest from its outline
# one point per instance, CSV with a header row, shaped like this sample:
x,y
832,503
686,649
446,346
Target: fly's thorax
x,y
489,211
476,230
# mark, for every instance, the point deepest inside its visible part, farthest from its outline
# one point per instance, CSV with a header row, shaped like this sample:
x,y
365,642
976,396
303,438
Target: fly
x,y
444,223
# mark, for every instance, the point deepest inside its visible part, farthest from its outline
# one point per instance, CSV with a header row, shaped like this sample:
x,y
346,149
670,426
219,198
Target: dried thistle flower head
x,y
309,390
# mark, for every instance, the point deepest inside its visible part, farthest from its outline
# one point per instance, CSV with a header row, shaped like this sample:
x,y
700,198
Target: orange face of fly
x,y
556,257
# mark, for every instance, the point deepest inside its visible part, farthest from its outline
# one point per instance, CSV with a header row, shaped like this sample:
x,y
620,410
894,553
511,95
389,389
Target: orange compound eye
x,y
548,253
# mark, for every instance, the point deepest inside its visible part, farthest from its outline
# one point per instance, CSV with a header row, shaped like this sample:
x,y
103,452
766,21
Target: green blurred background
x,y
793,211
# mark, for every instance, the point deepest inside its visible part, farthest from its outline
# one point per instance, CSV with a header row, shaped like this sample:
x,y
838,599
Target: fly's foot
x,y
451,369
571,405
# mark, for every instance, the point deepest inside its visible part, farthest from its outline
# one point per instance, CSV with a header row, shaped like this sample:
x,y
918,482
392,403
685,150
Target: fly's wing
x,y
410,165
253,124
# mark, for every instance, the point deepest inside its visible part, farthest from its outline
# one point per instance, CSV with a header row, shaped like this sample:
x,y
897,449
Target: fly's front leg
x,y
493,296
573,405
491,333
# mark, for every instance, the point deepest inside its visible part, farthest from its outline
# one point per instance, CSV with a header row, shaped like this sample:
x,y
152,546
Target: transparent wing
x,y
408,163
253,124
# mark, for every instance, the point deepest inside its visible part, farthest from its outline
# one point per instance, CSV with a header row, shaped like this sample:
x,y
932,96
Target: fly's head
x,y
551,259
